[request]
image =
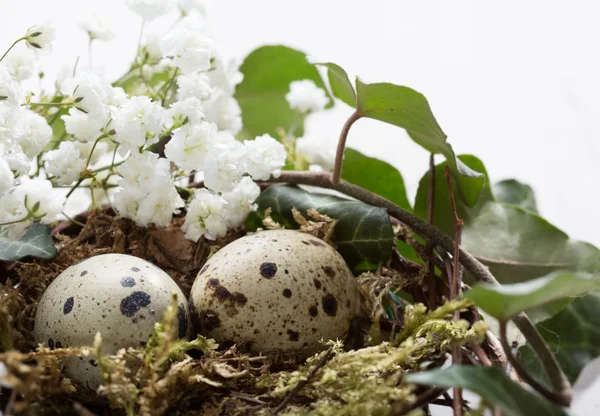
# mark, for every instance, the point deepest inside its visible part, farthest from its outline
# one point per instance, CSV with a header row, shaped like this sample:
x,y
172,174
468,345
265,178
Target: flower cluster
x,y
140,140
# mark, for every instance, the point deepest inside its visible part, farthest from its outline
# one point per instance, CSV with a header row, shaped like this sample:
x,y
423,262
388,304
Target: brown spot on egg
x,y
268,270
313,310
68,306
317,283
209,320
287,293
293,335
83,273
330,304
329,271
231,300
317,243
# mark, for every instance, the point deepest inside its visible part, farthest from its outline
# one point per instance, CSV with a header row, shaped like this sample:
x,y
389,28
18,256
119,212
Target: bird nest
x,y
361,375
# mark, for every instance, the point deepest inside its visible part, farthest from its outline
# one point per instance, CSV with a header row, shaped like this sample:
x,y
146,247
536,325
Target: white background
x,y
514,82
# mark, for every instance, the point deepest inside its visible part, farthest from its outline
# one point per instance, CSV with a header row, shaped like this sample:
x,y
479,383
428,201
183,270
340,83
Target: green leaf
x,y
341,87
573,335
471,190
406,108
492,385
511,191
36,242
505,301
519,245
376,176
363,234
268,72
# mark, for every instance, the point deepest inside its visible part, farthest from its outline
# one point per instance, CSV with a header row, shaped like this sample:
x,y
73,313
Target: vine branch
x,y
477,270
339,154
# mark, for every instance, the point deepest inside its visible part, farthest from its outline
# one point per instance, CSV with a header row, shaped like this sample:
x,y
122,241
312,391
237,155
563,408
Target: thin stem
x,y
12,46
140,36
339,155
90,51
94,148
164,97
49,104
431,279
75,187
29,216
561,398
73,220
458,223
477,270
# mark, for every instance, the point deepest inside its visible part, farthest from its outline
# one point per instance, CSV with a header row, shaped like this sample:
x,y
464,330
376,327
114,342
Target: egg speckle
x,y
275,290
118,295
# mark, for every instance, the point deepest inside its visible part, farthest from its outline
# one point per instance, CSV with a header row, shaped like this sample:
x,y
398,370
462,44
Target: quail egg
x,y
118,295
275,290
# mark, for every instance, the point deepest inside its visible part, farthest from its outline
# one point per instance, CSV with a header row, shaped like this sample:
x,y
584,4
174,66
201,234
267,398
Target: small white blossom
x,y
41,203
195,85
149,9
317,151
305,96
10,90
189,109
190,145
225,75
191,51
40,36
88,101
97,27
240,201
6,176
36,133
21,63
18,161
139,169
158,206
11,126
82,126
137,122
153,48
265,156
224,111
65,163
206,216
223,166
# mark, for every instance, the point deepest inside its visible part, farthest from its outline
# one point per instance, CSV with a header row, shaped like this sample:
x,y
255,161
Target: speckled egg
x,y
275,290
118,295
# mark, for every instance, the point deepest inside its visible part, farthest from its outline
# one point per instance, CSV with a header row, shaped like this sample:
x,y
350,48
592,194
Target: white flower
x,y
21,63
224,111
195,85
240,201
205,216
10,90
97,27
82,126
190,109
40,36
137,122
317,151
6,176
191,6
190,144
65,163
152,46
36,133
18,161
191,51
42,203
225,75
147,192
158,206
11,127
101,149
149,9
139,170
305,96
265,156
88,101
223,166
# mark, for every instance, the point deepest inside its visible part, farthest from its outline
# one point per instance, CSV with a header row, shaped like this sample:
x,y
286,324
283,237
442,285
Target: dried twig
x,y
304,382
431,279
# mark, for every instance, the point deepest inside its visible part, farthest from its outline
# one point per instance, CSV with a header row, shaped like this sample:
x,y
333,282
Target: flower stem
x,y
11,46
16,221
169,85
49,104
94,148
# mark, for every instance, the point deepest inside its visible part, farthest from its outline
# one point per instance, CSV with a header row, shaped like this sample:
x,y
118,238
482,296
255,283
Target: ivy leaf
x,y
406,108
376,176
340,84
493,385
36,242
511,191
519,245
505,301
573,335
363,234
470,190
268,72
